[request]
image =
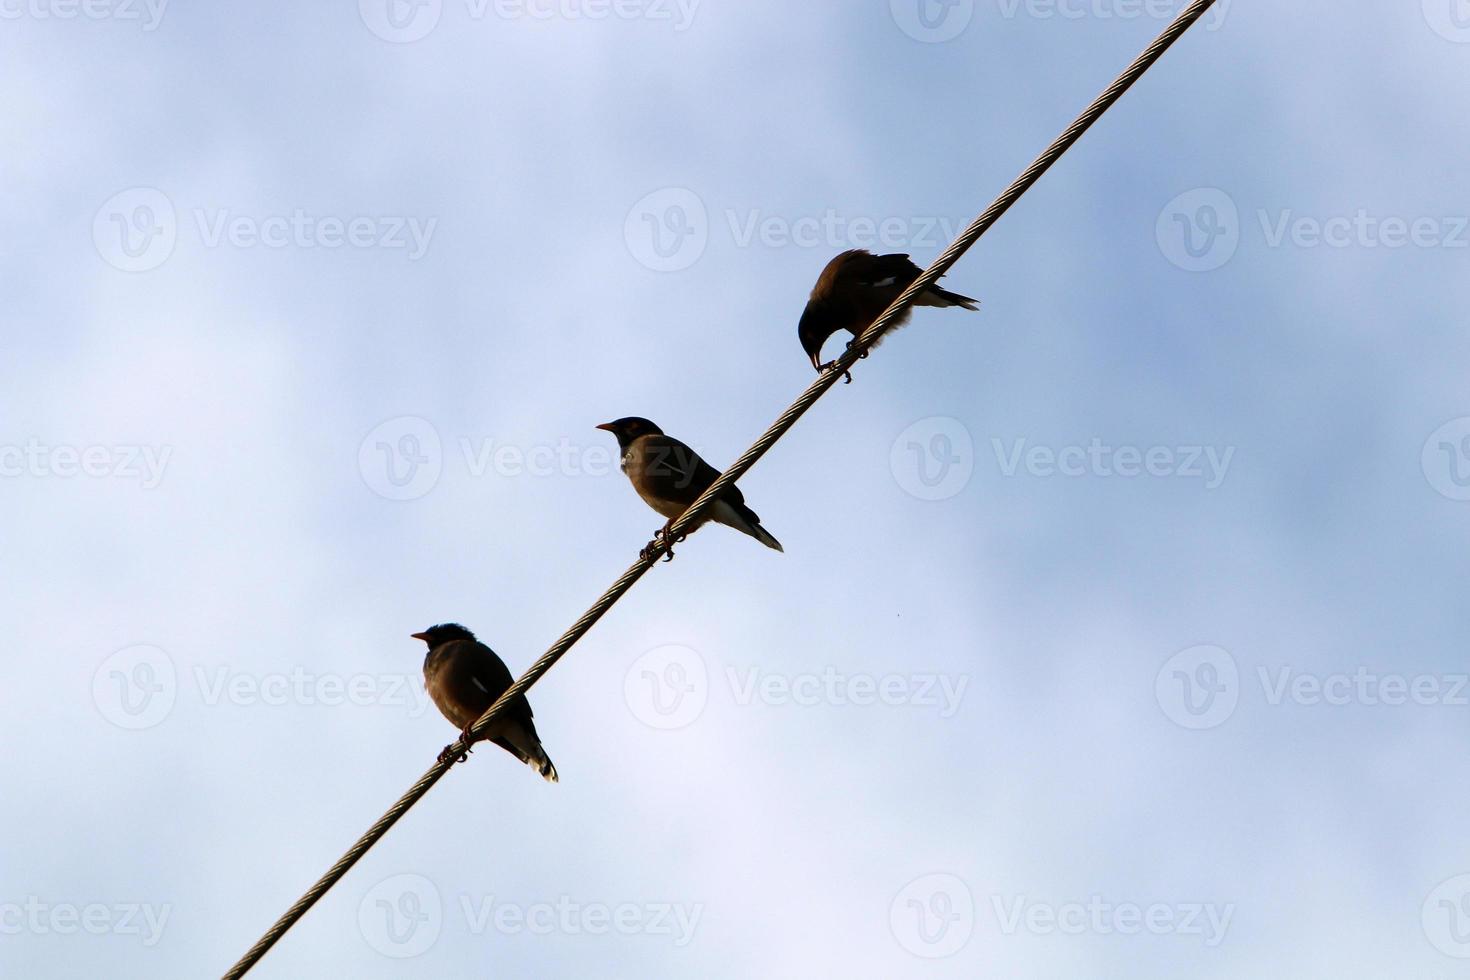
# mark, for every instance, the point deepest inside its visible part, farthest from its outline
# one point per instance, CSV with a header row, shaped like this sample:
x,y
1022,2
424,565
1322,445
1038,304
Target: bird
x,y
670,476
464,677
854,289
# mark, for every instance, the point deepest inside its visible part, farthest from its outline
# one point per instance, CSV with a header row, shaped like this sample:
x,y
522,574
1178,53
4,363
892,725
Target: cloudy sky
x,y
1121,626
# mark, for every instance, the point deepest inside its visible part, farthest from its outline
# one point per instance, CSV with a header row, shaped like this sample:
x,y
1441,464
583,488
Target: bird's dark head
x,y
630,428
813,331
439,635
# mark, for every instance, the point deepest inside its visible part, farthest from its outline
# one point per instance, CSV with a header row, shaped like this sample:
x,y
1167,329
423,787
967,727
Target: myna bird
x,y
465,677
854,289
670,476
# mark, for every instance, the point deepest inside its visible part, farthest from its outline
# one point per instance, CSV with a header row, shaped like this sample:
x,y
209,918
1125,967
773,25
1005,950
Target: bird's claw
x,y
661,539
846,375
464,754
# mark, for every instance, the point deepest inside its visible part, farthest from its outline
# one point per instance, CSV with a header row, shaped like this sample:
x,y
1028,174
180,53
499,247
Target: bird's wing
x,y
888,272
673,471
478,672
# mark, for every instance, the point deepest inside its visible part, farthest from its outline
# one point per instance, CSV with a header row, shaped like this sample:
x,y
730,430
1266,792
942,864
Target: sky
x,y
1120,629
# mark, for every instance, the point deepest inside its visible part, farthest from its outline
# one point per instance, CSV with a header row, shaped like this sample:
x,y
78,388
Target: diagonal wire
x,y
696,511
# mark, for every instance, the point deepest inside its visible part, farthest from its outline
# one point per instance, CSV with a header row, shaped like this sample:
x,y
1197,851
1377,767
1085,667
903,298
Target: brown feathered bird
x,y
670,476
854,289
464,678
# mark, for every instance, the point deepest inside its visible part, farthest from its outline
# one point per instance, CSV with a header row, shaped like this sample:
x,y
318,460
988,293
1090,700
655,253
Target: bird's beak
x,y
816,361
606,427
420,636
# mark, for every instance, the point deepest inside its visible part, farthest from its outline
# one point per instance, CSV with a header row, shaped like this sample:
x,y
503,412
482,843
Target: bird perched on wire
x,y
670,476
854,289
464,678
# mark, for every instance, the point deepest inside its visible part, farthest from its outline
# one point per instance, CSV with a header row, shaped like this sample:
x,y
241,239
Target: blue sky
x,y
1120,629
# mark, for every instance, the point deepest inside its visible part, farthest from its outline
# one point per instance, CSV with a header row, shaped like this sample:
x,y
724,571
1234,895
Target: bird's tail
x,y
743,519
939,296
529,751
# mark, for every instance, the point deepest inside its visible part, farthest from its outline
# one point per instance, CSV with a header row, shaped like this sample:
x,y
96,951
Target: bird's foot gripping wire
x,y
661,537
449,753
846,375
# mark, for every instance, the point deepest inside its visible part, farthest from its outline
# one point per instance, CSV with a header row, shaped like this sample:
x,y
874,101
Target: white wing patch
x,y
884,282
476,682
